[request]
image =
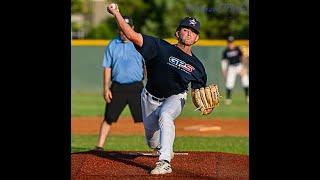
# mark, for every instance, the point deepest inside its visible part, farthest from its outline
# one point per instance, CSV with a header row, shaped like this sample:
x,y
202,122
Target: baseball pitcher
x,y
170,68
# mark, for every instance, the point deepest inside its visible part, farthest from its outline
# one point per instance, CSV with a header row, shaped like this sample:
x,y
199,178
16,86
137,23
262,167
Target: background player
x,y
233,64
170,69
123,64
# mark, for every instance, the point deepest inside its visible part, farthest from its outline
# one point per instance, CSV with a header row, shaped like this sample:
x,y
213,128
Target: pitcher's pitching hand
x,y
111,8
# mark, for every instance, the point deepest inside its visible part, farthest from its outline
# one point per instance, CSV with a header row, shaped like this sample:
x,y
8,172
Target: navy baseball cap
x,y
128,20
190,22
230,39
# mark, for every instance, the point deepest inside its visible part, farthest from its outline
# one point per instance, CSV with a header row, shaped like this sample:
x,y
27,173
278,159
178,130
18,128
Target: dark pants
x,y
123,94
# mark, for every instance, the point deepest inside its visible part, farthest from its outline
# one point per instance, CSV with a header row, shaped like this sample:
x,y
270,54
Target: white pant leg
x,y
170,110
244,78
231,76
150,120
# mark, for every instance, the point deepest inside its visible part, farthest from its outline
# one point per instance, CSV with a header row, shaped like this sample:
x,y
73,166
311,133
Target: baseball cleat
x,y
162,168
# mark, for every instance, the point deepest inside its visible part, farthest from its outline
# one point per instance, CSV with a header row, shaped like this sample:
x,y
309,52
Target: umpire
x,y
124,66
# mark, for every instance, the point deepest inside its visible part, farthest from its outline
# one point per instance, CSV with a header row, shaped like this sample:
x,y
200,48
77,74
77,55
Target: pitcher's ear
x,y
197,38
177,34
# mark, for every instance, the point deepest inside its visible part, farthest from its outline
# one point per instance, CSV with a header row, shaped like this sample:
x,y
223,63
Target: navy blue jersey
x,y
169,69
232,55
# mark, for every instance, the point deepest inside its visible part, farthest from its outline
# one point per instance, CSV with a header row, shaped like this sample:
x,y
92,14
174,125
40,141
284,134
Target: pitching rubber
x,y
154,154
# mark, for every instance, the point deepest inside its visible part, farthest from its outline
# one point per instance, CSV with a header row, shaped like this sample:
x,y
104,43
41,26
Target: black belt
x,y
136,82
155,98
235,64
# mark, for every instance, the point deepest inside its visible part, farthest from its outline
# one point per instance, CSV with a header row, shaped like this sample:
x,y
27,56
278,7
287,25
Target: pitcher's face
x,y
187,36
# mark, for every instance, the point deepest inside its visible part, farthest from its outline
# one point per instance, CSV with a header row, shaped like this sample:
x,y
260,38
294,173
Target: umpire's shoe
x,y
97,148
163,167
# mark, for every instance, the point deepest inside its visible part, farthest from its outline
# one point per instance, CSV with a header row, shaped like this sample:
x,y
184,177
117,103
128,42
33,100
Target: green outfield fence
x,y
87,55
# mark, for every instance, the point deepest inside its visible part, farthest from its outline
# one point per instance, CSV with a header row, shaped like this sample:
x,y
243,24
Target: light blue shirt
x,y
124,60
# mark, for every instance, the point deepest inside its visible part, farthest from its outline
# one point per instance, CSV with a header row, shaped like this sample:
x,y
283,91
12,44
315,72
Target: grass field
x,y
86,104
237,145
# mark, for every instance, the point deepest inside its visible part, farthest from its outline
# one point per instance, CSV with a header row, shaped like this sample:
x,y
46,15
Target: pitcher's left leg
x,y
170,110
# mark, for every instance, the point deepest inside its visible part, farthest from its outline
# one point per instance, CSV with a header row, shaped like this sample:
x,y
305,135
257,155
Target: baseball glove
x,y
206,98
244,71
245,51
245,61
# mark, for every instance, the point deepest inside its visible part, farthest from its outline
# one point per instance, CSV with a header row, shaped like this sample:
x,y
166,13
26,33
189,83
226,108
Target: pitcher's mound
x,y
132,165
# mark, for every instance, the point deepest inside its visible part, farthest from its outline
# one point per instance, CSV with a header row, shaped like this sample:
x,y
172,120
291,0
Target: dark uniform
x,y
232,55
170,70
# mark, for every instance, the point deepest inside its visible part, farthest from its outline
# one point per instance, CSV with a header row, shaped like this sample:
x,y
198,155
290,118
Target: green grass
x,y
237,145
86,104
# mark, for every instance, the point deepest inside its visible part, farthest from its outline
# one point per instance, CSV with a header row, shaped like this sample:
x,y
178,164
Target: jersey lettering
x,y
181,65
232,53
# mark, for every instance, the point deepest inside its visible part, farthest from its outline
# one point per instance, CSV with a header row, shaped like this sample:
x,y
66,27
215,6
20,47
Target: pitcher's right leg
x,y
150,120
